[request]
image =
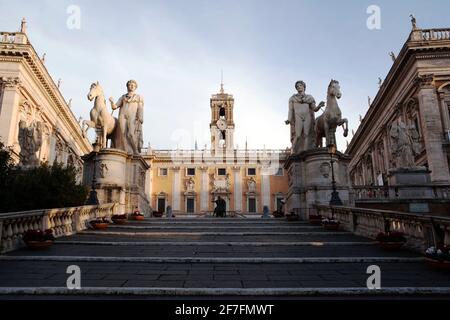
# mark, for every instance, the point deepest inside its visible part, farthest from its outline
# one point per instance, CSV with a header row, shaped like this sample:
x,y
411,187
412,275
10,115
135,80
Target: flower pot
x,y
100,225
138,218
315,221
438,264
119,221
39,245
331,226
390,246
158,214
292,217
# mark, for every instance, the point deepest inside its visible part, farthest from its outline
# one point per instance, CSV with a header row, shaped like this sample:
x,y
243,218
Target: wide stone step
x,y
220,228
192,233
211,251
183,237
191,278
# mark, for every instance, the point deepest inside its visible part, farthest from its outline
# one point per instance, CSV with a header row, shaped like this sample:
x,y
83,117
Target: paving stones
x,y
168,254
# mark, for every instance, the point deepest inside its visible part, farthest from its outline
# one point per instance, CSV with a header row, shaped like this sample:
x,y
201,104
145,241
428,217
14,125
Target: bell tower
x,y
222,124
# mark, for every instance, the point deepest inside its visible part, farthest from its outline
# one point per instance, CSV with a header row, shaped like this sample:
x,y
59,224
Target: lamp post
x,y
93,199
335,199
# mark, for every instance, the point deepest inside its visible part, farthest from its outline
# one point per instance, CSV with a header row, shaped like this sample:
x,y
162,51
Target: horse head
x,y
334,89
95,91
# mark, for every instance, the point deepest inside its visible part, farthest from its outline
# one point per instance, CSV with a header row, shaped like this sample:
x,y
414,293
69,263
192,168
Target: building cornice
x,y
25,53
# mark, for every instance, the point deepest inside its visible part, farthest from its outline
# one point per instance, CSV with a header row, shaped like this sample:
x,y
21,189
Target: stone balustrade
x,y
435,34
438,192
421,231
63,222
13,37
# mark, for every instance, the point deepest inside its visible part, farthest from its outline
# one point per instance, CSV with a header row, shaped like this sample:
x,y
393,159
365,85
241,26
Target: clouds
x,y
176,49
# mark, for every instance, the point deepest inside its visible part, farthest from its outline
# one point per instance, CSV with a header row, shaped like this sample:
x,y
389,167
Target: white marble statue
x,y
131,117
405,144
102,119
30,141
251,185
190,185
327,123
301,118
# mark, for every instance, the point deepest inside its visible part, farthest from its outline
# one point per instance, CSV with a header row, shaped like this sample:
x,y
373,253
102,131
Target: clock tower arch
x,y
222,123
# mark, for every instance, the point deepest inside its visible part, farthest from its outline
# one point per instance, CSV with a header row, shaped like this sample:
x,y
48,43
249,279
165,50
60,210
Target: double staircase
x,y
241,257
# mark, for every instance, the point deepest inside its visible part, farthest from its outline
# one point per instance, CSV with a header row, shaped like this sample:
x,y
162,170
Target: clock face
x,y
221,124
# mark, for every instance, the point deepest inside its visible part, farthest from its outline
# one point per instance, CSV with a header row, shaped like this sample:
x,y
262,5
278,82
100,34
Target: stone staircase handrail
x,y
63,222
420,230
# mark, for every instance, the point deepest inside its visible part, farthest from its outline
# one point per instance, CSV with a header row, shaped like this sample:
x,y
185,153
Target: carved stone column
x,y
237,189
444,113
430,116
204,193
9,109
265,189
176,190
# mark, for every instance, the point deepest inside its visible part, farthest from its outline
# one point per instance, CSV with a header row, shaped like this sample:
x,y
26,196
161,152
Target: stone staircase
x,y
239,257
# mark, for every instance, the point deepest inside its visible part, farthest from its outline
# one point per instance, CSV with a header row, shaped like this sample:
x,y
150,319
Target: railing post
x,y
45,220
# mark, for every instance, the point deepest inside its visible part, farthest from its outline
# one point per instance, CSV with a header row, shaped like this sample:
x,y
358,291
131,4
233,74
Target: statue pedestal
x,y
120,178
310,180
410,183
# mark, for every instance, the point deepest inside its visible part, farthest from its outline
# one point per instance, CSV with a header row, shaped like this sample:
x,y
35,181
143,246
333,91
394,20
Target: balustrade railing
x,y
437,192
421,231
13,37
63,222
435,34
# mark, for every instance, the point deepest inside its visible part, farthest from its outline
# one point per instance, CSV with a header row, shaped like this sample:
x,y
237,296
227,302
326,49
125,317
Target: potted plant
x,y
331,224
391,240
315,219
100,224
438,257
158,214
38,239
137,215
278,214
292,217
119,218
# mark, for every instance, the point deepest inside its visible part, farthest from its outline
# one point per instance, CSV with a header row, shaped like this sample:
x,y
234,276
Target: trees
x,y
42,187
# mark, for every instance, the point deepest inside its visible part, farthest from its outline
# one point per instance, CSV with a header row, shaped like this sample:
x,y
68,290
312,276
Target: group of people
x,y
221,207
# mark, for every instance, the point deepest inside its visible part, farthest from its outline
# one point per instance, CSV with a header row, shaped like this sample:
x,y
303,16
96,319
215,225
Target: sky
x,y
176,50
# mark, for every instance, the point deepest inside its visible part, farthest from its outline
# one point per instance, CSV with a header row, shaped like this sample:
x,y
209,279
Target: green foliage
x,y
43,187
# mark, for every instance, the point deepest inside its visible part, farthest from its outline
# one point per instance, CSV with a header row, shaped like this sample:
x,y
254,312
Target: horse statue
x,y
327,123
102,120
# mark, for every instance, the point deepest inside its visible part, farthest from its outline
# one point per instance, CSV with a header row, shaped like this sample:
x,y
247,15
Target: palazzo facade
x,y
190,180
416,91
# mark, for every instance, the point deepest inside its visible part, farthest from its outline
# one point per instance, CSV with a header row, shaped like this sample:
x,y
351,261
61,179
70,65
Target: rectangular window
x,y
252,205
190,171
222,172
251,171
163,172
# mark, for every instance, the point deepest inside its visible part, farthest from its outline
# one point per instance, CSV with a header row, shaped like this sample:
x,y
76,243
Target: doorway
x,y
161,204
190,205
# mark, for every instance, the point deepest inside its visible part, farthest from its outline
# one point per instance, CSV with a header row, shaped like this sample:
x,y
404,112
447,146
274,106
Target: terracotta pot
x,y
443,265
292,217
100,226
158,214
315,222
138,218
390,246
119,221
39,245
332,227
